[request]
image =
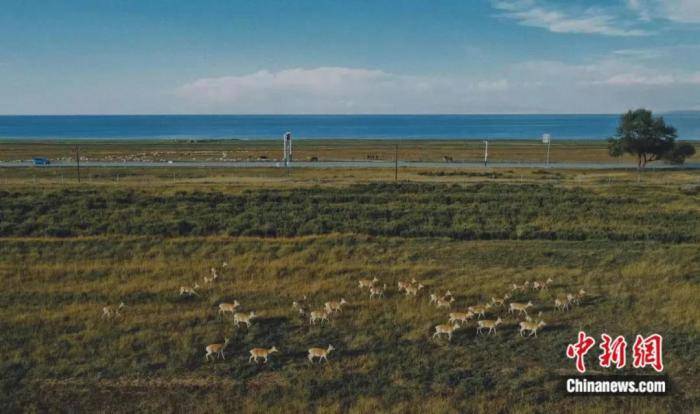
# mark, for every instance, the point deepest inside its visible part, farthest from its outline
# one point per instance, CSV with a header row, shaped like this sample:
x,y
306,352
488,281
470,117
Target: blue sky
x,y
401,56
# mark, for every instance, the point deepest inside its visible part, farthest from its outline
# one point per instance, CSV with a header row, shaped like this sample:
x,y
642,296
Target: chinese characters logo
x,y
646,351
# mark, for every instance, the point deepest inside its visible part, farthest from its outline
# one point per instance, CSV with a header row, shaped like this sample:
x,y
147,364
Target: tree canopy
x,y
649,138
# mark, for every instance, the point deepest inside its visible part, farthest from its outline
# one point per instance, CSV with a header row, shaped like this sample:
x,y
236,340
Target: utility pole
x,y
77,160
396,163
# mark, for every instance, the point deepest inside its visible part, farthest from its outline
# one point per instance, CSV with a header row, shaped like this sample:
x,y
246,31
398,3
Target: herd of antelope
x,y
497,308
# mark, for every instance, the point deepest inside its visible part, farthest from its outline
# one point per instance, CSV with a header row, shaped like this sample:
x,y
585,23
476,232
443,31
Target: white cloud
x,y
683,11
333,90
611,84
589,21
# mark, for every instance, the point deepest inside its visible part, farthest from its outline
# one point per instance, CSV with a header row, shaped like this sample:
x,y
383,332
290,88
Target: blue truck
x,y
41,161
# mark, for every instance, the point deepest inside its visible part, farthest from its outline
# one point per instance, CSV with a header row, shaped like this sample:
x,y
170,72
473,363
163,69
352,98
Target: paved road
x,y
347,164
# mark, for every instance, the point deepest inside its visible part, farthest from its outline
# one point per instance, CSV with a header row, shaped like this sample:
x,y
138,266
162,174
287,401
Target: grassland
x,y
67,250
323,150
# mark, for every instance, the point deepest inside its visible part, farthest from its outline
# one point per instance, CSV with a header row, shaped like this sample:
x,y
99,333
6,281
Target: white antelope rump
x,y
413,290
225,307
531,326
335,306
376,291
445,330
479,310
320,353
318,315
246,318
519,307
189,291
488,323
462,317
561,304
263,353
215,350
366,283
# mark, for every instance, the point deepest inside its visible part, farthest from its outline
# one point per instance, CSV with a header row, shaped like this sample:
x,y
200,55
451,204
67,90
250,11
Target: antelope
x,y
106,312
377,291
549,281
444,303
479,310
117,312
239,318
413,290
366,283
299,308
228,307
335,306
319,315
448,296
433,298
579,296
256,353
216,349
213,277
445,330
519,307
403,285
500,301
460,317
487,323
531,326
561,304
320,353
189,291
537,285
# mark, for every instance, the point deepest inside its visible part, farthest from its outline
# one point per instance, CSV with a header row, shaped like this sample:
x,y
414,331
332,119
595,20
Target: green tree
x,y
647,137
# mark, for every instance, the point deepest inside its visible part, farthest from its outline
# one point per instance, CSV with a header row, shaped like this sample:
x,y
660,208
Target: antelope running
x,y
366,283
263,353
444,303
561,304
189,291
213,277
531,326
320,353
246,318
319,315
488,323
519,307
500,301
377,291
214,350
228,307
479,310
403,285
335,306
462,317
445,330
413,290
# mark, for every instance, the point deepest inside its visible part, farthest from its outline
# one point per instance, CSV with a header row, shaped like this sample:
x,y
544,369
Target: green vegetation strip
x,y
466,212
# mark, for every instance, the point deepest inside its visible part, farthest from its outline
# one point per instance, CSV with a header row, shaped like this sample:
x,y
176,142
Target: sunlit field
x,y
67,250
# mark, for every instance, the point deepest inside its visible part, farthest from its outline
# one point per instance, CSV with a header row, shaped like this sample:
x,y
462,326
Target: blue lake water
x,y
112,127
